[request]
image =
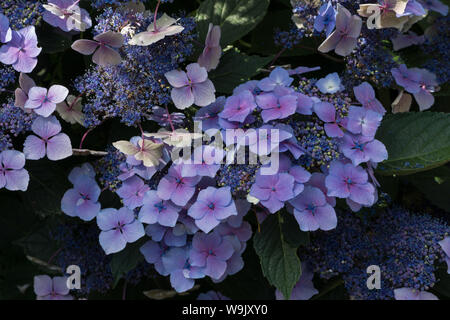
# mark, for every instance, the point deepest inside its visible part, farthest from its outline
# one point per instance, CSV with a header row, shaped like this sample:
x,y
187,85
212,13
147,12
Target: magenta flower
x,y
279,77
212,206
82,200
132,192
210,56
156,210
119,227
238,106
48,140
273,190
177,188
348,181
312,211
12,174
5,30
47,288
276,107
103,45
191,87
365,94
66,15
303,289
363,121
44,101
21,94
211,251
22,51
327,113
413,294
344,39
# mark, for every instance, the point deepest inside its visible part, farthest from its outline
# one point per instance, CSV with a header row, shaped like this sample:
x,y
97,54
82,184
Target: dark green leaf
x,y
126,260
234,69
434,184
236,18
415,142
279,261
292,233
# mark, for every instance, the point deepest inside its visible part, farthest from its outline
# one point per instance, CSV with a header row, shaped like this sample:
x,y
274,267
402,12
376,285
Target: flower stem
x,y
155,27
84,137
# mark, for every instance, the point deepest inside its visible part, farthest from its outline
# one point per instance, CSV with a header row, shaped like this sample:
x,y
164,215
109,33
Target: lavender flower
x,y
156,210
119,227
22,51
191,87
48,140
44,101
47,288
66,15
212,206
132,192
177,188
5,30
210,56
12,174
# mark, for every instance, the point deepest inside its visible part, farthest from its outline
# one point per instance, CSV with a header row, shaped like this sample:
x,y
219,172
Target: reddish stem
x,y
84,137
75,101
54,255
169,117
155,27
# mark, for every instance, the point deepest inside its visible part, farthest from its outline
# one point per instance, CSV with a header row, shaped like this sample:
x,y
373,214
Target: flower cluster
x,y
405,246
131,89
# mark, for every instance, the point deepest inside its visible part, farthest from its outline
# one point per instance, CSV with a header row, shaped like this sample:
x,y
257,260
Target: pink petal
x,y
106,56
111,38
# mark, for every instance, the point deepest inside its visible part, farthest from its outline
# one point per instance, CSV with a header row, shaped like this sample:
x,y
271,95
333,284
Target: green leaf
x,y
292,233
279,261
126,260
53,40
415,142
434,184
236,68
236,18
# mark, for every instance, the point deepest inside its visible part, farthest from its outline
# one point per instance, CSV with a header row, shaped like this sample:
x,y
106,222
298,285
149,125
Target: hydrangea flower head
x,y
22,51
156,210
82,200
210,252
312,211
361,149
47,288
273,190
102,47
274,107
44,101
238,106
279,77
330,84
48,140
12,174
348,181
66,15
363,121
119,227
212,206
344,39
177,188
132,192
182,272
326,19
191,87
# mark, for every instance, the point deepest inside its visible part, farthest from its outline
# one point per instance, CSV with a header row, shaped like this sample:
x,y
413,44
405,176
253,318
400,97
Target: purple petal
x,y
34,148
59,147
86,47
112,241
182,97
106,56
204,93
